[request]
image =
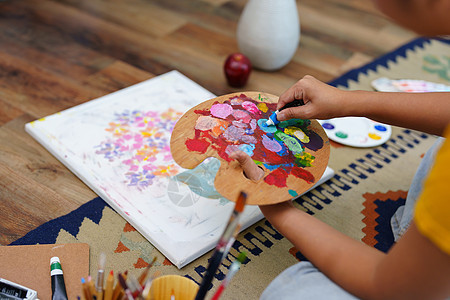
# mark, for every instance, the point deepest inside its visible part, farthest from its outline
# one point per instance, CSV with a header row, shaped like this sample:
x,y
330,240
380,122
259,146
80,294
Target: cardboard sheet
x,y
30,266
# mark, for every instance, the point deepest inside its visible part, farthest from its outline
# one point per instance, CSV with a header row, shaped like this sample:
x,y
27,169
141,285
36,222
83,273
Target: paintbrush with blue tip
x,y
273,118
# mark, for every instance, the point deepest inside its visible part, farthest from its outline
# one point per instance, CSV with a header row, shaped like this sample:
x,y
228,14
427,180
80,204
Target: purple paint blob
x,y
221,110
315,141
233,134
328,126
271,145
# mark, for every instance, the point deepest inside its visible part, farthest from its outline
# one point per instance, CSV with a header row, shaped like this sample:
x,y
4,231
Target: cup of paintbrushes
x,y
173,287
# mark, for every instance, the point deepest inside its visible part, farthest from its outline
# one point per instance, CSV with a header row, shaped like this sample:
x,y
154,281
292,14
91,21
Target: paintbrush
x,y
231,272
223,246
125,288
100,275
144,273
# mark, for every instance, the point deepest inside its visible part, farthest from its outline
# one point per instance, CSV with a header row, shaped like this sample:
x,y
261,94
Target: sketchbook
x,y
118,145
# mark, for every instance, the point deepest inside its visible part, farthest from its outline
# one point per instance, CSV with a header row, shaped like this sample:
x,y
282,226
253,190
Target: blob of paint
x,y
290,142
293,193
298,133
277,177
221,110
263,126
270,144
374,136
341,135
198,145
380,128
328,126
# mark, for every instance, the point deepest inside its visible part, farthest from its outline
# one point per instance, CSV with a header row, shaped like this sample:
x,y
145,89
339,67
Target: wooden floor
x,y
57,54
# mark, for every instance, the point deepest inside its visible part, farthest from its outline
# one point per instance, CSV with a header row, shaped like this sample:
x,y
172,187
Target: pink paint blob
x,y
251,107
221,110
242,116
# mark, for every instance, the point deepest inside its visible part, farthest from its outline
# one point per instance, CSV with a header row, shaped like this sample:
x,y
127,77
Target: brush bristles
x,y
102,261
240,203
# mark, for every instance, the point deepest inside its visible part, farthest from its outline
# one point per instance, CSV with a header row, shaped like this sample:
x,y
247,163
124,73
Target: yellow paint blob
x,y
298,133
374,136
262,107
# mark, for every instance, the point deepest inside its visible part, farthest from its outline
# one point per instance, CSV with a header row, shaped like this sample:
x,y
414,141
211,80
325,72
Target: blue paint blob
x,y
293,193
280,166
269,129
201,179
247,148
328,126
380,128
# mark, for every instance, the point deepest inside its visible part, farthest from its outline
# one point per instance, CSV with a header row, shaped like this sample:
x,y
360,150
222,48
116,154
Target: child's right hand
x,y
321,100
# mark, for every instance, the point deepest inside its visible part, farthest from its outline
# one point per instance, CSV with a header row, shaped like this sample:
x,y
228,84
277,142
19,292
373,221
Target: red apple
x,y
237,69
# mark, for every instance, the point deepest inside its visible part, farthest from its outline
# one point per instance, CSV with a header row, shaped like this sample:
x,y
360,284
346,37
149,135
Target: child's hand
x,y
255,173
251,170
321,100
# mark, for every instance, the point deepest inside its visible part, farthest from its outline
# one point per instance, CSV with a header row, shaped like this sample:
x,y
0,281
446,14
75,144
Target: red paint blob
x,y
198,145
302,174
277,177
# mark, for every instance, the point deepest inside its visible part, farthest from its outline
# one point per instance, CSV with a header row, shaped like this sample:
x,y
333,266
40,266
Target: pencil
x,y
231,272
109,286
86,290
91,285
223,246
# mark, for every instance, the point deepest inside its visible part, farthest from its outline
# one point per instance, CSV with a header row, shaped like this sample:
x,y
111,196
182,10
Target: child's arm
x,y
413,269
427,112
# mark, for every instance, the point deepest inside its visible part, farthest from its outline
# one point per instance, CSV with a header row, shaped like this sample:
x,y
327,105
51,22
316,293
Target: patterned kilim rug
x,y
369,185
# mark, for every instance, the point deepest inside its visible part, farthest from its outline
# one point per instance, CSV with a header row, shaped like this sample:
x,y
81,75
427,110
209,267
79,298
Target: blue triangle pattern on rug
x,y
48,232
382,61
386,209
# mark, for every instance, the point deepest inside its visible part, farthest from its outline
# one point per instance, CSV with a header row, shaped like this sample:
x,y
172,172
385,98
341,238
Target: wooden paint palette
x,y
293,154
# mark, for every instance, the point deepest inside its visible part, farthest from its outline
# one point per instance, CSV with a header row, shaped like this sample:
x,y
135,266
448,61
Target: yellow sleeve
x,y
432,213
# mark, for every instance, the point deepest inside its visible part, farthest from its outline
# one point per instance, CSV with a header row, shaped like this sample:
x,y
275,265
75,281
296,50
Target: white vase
x,y
268,32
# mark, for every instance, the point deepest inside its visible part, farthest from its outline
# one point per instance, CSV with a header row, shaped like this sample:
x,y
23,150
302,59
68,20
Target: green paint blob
x,y
300,123
290,142
341,135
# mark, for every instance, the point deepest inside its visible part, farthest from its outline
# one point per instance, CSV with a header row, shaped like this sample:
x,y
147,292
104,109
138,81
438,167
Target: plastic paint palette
x,y
357,131
384,84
